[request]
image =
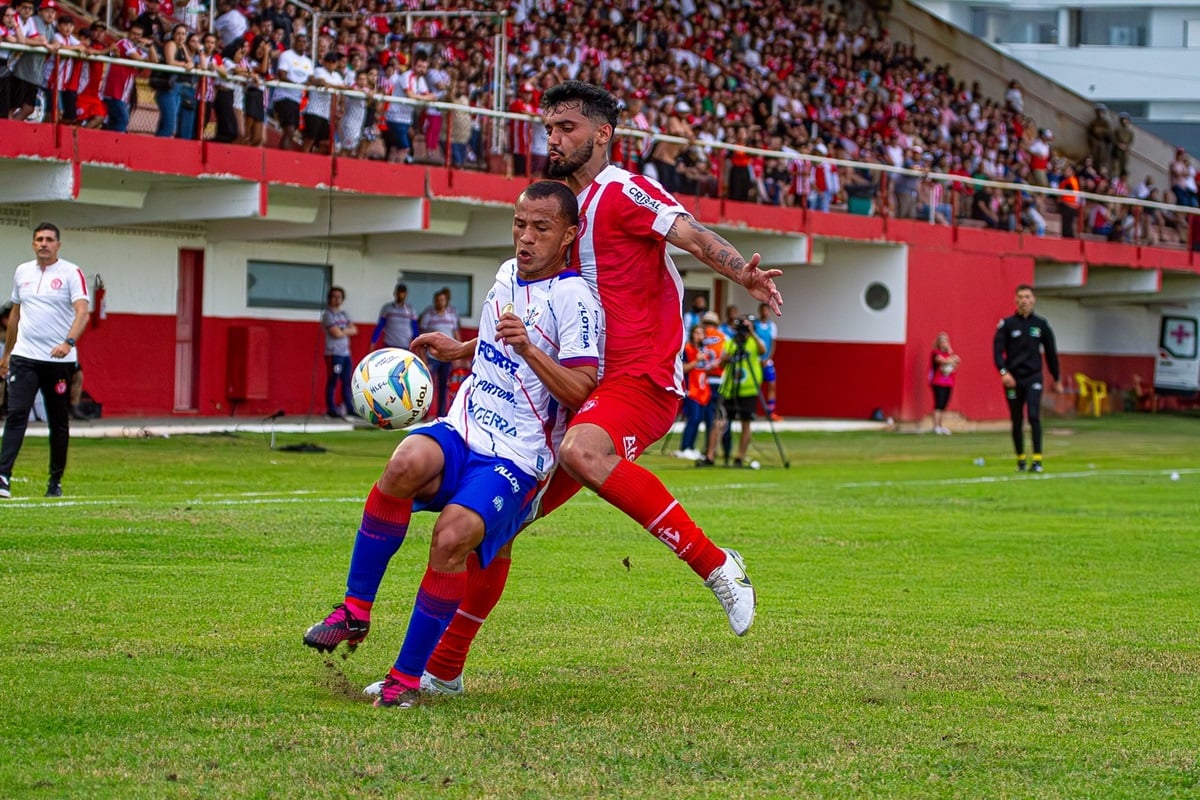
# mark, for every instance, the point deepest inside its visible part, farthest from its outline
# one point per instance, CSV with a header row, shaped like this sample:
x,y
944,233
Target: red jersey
x,y
621,250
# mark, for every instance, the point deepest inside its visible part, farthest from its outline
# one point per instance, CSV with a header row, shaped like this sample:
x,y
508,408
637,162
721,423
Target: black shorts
x,y
253,101
316,128
941,397
288,113
24,93
741,407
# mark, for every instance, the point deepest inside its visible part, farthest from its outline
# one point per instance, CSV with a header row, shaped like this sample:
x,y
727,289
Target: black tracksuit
x,y
1018,347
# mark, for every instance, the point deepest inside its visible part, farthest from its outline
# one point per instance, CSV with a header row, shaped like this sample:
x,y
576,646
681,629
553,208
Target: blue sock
x,y
437,600
384,526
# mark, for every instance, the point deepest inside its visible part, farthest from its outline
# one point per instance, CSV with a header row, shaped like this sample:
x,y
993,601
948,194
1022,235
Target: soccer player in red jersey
x,y
627,220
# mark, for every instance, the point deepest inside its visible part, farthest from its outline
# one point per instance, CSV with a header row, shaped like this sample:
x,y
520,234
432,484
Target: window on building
x,y
1014,25
276,284
422,285
1114,27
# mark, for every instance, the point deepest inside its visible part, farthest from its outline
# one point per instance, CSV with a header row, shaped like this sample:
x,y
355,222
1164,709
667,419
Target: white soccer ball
x,y
392,388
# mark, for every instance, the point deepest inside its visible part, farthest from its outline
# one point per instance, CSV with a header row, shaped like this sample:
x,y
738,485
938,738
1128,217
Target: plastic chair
x,y
1092,394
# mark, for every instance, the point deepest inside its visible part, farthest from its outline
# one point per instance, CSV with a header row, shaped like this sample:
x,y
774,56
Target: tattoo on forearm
x,y
715,251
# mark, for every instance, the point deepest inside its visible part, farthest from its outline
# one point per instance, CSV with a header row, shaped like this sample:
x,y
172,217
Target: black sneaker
x,y
53,489
1036,467
5,490
340,626
1020,465
704,461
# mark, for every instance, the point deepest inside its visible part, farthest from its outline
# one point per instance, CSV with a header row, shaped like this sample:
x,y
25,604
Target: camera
x,y
742,325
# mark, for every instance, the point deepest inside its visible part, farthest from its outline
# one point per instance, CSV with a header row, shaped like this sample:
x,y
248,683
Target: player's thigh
x,y
22,382
632,412
416,467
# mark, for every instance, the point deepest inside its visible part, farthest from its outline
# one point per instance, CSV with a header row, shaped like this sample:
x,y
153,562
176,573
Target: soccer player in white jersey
x,y
480,465
626,222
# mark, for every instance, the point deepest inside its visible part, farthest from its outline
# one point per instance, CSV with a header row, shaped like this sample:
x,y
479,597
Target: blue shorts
x,y
768,367
395,135
494,488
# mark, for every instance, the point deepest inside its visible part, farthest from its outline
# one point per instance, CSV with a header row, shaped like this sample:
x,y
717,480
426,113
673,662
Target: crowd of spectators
x,y
799,79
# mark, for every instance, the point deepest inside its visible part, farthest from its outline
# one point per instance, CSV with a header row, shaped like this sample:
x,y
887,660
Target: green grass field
x,y
926,627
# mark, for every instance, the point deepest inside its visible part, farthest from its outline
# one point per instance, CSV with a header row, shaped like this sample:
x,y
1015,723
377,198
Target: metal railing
x,y
1145,212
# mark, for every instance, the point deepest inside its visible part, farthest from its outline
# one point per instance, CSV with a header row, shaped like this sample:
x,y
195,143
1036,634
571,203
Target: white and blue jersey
x,y
503,409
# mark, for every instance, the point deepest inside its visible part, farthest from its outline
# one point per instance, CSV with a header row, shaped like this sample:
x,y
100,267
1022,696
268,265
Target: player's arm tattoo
x,y
709,247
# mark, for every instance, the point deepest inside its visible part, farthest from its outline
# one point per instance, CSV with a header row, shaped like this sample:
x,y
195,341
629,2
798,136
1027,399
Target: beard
x,y
568,164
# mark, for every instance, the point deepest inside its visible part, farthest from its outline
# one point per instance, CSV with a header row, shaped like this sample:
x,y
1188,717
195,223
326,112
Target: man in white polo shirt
x,y
50,311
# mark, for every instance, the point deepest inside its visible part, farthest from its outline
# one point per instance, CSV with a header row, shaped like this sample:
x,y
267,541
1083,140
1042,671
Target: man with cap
x,y
1122,144
36,30
397,322
1100,138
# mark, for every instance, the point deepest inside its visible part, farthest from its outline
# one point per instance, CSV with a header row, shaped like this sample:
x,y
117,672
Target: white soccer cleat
x,y
432,684
732,587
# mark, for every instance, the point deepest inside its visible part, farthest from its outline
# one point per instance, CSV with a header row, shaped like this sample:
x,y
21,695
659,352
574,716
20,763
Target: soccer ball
x,y
392,389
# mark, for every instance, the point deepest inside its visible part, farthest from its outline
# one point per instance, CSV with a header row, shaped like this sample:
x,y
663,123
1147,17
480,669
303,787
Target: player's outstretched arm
x,y
440,346
724,259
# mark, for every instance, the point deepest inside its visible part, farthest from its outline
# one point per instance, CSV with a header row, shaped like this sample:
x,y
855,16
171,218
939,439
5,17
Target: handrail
x,y
634,133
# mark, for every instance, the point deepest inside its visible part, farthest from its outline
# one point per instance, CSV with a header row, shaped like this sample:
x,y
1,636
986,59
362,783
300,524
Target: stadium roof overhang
x,y
1107,286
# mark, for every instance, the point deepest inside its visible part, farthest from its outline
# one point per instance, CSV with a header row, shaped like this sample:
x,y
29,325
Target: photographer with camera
x,y
742,381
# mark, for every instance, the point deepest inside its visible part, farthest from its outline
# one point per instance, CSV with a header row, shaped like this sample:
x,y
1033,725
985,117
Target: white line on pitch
x,y
1045,476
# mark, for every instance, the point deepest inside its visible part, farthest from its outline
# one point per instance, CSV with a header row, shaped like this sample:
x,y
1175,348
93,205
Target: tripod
x,y
740,369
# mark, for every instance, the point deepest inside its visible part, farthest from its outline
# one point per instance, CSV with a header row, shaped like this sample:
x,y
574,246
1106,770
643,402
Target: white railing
x,y
723,148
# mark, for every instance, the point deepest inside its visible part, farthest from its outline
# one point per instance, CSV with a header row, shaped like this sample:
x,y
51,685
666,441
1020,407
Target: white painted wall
x,y
140,272
1117,330
825,302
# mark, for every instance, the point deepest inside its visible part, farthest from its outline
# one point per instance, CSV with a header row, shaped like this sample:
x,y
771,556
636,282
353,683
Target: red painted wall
x,y
837,379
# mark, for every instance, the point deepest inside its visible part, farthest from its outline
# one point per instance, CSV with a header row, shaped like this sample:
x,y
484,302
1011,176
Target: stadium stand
x,y
743,101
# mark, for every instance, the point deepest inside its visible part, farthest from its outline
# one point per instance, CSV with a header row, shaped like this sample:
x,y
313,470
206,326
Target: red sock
x,y
484,587
640,494
361,609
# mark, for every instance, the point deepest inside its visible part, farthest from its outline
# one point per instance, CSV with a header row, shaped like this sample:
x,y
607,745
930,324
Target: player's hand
x,y
511,330
436,345
760,283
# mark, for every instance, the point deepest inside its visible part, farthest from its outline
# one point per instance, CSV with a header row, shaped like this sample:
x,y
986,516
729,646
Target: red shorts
x,y
633,410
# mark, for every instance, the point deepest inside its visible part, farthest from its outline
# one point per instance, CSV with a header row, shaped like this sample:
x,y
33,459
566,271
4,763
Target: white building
x,y
1139,57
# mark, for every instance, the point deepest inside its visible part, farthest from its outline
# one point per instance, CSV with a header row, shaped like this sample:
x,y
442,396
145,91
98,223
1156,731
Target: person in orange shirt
x,y
1068,204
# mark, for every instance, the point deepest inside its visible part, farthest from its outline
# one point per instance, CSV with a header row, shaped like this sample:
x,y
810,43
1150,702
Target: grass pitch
x,y
927,628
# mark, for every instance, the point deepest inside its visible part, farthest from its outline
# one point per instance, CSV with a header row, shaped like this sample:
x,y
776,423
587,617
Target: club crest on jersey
x,y
1035,332
588,406
56,283
532,315
640,198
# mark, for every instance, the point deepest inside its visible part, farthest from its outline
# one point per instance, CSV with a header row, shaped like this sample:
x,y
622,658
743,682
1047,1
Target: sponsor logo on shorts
x,y
503,472
631,447
498,502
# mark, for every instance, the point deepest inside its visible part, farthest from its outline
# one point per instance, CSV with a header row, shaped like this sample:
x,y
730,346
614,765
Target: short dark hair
x,y
597,104
1022,287
568,204
401,287
48,226
333,289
